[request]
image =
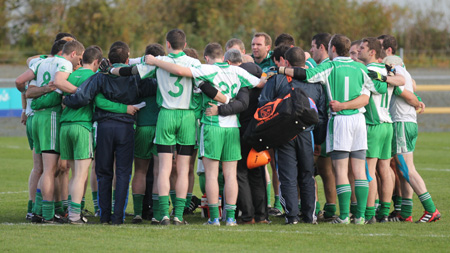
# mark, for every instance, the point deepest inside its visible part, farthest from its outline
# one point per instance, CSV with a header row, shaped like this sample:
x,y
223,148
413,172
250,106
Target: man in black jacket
x,y
295,159
115,130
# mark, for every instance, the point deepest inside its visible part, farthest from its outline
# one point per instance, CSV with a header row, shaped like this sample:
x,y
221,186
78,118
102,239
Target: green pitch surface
x,y
431,159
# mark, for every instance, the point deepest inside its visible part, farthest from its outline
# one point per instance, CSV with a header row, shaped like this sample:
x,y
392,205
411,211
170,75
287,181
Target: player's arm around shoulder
x,y
168,66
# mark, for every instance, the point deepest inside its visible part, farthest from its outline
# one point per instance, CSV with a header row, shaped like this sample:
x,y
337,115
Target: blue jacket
x,y
125,90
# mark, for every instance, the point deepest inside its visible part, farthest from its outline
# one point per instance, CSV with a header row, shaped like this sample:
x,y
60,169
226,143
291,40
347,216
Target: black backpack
x,y
279,121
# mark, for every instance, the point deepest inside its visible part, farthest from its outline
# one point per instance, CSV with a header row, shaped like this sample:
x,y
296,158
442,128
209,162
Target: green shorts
x,y
29,126
175,127
46,128
76,142
405,137
379,141
144,147
220,143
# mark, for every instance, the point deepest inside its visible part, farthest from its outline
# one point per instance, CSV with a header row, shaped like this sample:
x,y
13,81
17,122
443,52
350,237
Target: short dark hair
x,y
62,35
176,38
373,44
57,47
213,50
155,49
230,43
322,39
191,52
279,51
95,46
118,44
267,38
91,54
284,39
119,54
341,43
295,56
73,45
355,42
389,41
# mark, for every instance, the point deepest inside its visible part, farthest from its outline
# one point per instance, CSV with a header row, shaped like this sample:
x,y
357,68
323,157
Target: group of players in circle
x,y
170,112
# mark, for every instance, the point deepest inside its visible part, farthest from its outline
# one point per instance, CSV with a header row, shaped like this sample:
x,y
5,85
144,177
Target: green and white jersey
x,y
377,111
228,80
344,80
45,72
83,115
325,60
174,92
311,63
28,110
400,110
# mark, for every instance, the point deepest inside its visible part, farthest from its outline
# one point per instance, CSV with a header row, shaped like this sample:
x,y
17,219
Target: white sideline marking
x,y
13,192
433,169
249,230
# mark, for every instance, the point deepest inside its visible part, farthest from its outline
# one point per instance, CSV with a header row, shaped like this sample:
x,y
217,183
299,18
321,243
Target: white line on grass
x,y
433,169
13,192
233,230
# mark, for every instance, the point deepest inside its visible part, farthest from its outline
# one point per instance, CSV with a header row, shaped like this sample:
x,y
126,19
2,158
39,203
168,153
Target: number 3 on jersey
x,y
177,84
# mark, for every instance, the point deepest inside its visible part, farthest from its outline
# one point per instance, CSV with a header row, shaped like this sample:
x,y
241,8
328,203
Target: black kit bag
x,y
279,121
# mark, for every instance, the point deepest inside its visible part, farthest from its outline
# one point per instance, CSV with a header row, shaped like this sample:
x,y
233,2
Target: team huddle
x,y
168,112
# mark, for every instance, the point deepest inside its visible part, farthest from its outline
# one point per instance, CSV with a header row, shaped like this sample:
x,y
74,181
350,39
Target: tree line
x,y
30,25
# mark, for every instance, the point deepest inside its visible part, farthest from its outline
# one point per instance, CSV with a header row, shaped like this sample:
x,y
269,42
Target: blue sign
x,y
10,102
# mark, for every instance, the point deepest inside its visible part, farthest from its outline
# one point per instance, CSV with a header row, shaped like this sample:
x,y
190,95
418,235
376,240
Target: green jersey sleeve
x,y
107,105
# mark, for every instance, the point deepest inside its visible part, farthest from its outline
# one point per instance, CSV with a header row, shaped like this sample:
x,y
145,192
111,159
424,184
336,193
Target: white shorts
x,y
347,133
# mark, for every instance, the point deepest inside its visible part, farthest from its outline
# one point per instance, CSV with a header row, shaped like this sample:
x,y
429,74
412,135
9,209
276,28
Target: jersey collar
x,y
222,64
172,55
343,59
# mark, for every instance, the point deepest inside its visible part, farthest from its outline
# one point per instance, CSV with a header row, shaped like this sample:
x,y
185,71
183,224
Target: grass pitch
x,y
431,159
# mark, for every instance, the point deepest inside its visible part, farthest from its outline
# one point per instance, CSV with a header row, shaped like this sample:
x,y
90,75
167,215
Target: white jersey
x,y
228,80
46,69
174,92
377,111
28,110
400,110
138,60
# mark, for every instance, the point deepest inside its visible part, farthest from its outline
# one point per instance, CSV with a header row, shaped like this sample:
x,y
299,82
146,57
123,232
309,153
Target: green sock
x,y
353,206
83,203
38,203
59,208
48,209
74,211
95,200
344,193
202,182
188,200
269,188
231,211
113,200
317,207
173,196
384,209
156,213
65,204
397,202
179,208
330,210
407,206
427,202
277,203
30,206
377,205
370,212
361,192
299,204
164,206
32,209
213,211
137,204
